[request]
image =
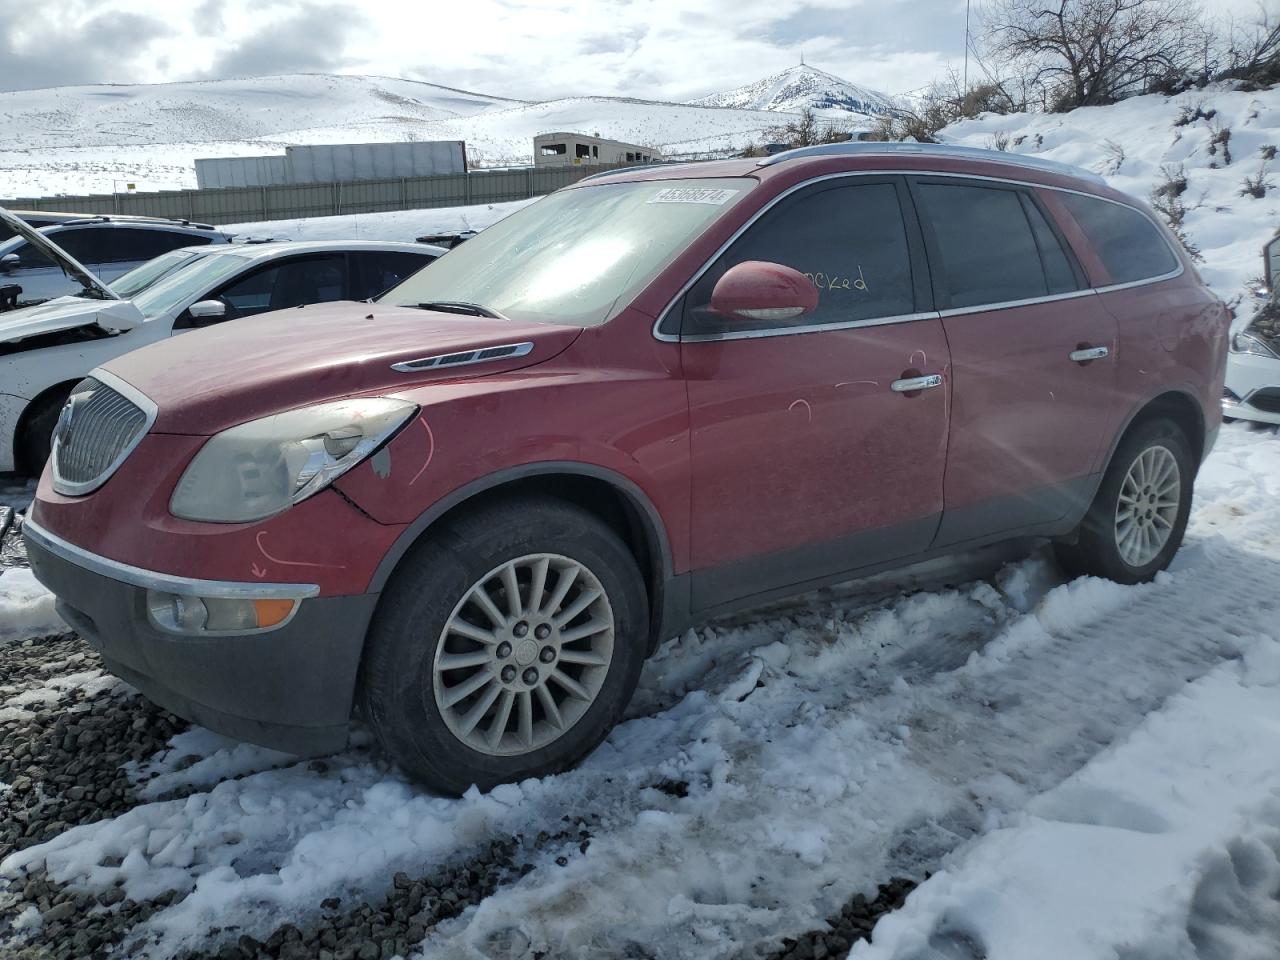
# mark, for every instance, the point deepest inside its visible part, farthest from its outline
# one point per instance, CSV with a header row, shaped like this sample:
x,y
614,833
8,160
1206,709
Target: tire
x,y
1104,545
35,439
405,686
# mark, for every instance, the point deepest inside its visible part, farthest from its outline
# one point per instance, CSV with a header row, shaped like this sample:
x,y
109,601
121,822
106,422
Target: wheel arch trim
x,y
654,528
1139,409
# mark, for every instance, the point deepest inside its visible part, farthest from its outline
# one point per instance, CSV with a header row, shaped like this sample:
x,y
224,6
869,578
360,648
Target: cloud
x,y
524,49
81,49
308,39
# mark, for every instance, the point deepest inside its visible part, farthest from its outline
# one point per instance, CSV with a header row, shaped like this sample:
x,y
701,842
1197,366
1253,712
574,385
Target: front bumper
x,y
1249,378
290,688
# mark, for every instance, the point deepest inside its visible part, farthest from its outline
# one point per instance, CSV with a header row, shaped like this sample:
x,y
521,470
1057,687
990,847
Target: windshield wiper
x,y
460,306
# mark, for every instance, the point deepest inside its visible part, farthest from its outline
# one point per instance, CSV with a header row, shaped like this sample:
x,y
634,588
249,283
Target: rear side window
x,y
377,271
129,245
851,241
1130,246
989,251
77,241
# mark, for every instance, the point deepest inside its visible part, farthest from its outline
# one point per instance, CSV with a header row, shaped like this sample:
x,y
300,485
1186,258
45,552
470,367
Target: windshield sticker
x,y
693,195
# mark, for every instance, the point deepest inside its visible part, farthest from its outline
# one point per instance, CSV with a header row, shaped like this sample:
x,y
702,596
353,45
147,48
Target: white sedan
x,y
46,349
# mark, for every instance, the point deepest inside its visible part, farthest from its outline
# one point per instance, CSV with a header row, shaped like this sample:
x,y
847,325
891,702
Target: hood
x,y
68,313
71,266
212,379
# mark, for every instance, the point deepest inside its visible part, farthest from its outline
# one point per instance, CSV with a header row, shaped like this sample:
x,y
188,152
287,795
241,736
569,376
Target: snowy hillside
x,y
219,110
1205,142
801,87
73,140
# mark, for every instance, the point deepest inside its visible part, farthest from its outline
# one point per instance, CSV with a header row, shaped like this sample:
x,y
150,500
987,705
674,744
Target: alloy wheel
x,y
524,654
1147,509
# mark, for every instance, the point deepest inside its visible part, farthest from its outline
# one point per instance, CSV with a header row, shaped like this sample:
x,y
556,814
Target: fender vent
x,y
464,358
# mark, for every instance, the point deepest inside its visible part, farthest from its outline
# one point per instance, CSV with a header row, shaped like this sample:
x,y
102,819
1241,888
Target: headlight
x,y
259,468
1248,343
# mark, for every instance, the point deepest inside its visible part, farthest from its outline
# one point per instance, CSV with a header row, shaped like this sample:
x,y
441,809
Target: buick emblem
x,y
63,428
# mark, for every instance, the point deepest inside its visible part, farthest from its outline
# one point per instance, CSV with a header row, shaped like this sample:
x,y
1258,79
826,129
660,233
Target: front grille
x,y
1267,399
96,430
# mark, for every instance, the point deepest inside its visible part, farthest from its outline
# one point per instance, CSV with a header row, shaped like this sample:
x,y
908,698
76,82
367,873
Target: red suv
x,y
469,510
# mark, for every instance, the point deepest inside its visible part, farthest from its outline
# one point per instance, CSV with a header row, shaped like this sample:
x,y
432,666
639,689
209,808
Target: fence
x,y
286,201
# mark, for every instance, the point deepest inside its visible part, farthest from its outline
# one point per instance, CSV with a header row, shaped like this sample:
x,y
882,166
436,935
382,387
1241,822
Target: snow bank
x,y
1165,846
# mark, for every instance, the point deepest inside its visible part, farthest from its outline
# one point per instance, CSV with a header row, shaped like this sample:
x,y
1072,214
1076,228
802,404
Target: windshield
x,y
578,256
129,285
189,283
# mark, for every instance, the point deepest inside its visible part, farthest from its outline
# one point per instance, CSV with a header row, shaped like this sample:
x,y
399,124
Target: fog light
x,y
178,613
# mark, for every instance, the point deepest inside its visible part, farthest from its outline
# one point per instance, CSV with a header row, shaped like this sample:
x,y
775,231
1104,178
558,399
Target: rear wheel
x,y
1136,522
506,646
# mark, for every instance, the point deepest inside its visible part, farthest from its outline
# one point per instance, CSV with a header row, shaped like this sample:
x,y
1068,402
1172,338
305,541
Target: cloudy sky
x,y
528,49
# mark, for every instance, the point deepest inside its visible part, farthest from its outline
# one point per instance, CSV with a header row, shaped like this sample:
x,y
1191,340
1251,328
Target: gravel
x,y
63,759
854,922
409,912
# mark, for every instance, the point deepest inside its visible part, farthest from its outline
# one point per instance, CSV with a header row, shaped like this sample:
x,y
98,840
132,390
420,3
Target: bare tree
x,y
807,129
1251,49
944,102
1092,52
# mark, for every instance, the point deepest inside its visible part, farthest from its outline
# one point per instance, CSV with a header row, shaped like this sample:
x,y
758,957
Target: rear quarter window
x,y
1129,245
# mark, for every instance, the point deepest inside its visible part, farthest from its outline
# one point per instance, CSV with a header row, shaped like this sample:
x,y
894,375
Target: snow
x,y
1166,846
1133,144
74,140
26,608
804,87
826,745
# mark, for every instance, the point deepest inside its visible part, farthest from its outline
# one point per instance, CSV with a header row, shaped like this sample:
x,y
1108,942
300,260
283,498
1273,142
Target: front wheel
x,y
506,646
1137,519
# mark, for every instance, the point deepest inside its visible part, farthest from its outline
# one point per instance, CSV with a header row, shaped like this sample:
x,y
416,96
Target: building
x,y
562,148
335,163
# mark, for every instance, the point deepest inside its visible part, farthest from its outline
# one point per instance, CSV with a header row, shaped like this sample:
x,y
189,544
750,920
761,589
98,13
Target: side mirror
x,y
8,262
757,290
207,310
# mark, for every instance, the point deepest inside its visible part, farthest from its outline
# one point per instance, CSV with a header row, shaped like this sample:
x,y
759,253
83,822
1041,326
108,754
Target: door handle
x,y
1085,354
914,384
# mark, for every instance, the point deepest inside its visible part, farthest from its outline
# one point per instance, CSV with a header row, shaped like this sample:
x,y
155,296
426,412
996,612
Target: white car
x,y
109,246
1253,365
1253,370
46,349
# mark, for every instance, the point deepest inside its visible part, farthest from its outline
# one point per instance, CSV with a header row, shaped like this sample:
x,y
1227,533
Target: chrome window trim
x,y
163,582
1009,304
904,318
809,328
433,362
134,396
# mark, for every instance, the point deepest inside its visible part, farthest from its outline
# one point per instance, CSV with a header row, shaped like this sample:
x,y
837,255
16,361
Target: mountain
x,y
801,87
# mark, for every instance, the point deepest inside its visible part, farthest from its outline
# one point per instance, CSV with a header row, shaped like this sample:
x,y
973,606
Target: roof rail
x,y
605,173
872,148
